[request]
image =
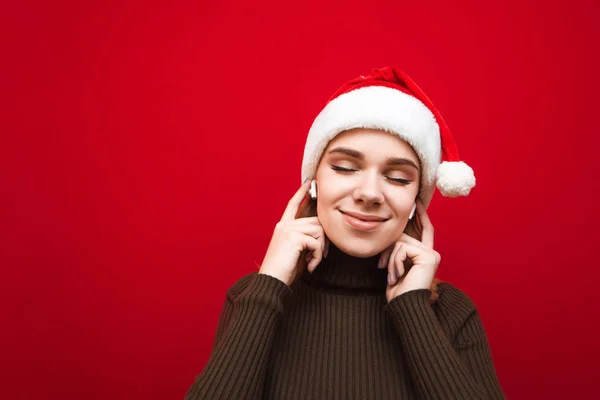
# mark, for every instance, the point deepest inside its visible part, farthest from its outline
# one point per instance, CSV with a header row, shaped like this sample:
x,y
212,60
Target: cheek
x,y
405,200
329,217
329,195
406,206
407,209
329,189
326,213
402,209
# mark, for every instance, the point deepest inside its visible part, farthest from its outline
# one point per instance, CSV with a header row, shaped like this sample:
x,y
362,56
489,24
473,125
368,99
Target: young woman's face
x,y
368,172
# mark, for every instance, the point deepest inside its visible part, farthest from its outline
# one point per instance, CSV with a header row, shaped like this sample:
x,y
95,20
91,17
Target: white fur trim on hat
x,y
378,107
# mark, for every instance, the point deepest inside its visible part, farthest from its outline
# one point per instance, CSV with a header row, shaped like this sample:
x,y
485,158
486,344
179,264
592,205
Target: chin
x,y
356,243
359,247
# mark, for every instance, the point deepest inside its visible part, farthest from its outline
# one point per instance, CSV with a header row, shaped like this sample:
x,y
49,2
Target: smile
x,y
360,224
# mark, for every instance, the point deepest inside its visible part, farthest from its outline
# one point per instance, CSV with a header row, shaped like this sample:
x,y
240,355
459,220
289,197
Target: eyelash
x,y
341,169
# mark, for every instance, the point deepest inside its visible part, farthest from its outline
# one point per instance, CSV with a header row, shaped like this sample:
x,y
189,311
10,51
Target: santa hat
x,y
387,99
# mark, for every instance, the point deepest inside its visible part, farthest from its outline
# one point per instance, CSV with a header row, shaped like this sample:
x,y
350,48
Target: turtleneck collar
x,y
340,271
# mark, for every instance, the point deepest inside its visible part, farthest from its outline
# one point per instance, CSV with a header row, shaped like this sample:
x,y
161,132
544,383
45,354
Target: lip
x,y
361,224
364,217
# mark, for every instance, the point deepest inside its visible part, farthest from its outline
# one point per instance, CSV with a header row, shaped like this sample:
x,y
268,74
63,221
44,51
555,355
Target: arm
x,y
438,368
247,327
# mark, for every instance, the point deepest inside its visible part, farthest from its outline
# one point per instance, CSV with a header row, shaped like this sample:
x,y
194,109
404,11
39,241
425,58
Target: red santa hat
x,y
387,99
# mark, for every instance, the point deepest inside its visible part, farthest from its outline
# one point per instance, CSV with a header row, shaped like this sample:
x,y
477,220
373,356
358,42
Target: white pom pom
x,y
455,178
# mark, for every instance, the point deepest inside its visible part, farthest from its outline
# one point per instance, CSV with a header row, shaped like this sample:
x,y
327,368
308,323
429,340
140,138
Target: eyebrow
x,y
361,156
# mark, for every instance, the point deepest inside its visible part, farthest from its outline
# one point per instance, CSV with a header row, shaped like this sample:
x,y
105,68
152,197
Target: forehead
x,y
374,144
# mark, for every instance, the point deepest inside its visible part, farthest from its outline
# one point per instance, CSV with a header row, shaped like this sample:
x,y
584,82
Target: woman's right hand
x,y
291,238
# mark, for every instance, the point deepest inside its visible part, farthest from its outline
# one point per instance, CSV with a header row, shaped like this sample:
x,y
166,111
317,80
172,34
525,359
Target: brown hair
x,y
308,208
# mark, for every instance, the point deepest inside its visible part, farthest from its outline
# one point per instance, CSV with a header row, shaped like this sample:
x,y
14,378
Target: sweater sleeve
x,y
450,361
245,334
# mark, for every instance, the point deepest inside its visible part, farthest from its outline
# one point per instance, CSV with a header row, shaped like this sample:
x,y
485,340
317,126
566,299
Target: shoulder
x,y
240,285
453,300
255,284
455,311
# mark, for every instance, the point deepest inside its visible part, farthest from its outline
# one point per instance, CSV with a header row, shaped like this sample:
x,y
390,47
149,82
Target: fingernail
x,y
379,262
389,280
326,252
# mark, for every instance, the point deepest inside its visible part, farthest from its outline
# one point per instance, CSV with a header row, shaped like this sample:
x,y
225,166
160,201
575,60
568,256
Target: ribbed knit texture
x,y
332,335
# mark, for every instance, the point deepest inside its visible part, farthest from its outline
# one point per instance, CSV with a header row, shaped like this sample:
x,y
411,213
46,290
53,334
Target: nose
x,y
369,189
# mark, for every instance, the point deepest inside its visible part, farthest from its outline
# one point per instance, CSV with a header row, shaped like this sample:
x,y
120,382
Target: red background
x,y
148,149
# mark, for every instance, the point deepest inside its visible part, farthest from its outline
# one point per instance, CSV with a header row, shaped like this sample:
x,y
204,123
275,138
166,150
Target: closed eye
x,y
336,168
397,180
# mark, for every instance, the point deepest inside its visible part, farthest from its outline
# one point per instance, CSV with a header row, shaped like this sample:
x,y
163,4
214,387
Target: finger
x,y
309,233
305,220
326,251
427,233
398,261
314,231
292,208
307,256
411,251
316,246
400,258
391,263
385,257
409,239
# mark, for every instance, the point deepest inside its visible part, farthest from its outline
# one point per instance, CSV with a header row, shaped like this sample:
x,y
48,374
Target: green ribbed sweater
x,y
332,335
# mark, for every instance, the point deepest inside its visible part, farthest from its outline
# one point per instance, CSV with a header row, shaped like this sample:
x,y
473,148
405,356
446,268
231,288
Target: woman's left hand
x,y
424,258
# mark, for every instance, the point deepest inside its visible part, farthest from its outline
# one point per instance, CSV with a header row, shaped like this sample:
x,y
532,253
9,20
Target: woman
x,y
346,303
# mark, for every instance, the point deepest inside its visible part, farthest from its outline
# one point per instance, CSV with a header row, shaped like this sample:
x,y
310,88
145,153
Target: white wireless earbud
x,y
412,212
313,189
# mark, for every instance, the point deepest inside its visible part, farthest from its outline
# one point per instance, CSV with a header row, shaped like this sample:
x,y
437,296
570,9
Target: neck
x,y
340,271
